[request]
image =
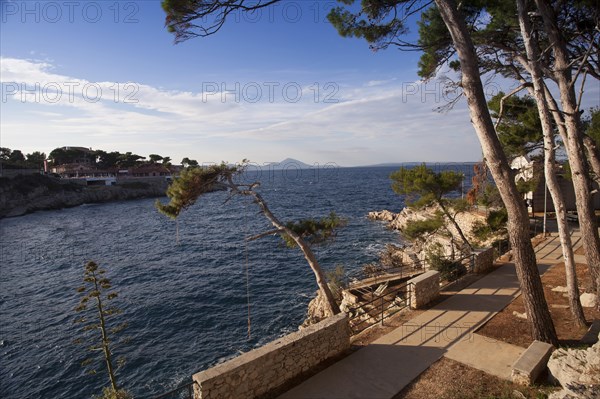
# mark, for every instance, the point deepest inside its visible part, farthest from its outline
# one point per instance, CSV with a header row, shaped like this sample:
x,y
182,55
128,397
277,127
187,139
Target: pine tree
x,y
193,183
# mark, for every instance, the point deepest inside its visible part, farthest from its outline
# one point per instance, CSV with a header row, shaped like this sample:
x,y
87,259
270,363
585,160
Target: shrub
x,y
494,223
449,270
497,219
418,228
337,281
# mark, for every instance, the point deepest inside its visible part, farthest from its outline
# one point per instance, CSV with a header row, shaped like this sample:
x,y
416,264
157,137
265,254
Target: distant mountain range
x,y
398,164
290,163
287,163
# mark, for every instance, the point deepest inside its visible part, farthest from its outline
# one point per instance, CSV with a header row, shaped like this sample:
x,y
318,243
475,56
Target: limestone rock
x,y
588,300
577,391
577,371
316,311
520,315
385,215
449,243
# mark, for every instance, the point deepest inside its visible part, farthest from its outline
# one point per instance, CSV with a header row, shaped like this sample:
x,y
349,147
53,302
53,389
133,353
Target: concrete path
x,y
486,354
550,251
383,368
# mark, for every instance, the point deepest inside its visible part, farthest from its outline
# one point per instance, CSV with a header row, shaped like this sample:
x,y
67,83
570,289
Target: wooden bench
x,y
572,217
531,363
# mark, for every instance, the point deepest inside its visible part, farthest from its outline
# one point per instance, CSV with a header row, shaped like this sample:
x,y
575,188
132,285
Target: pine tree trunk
x,y
593,156
574,143
542,327
333,307
456,226
533,55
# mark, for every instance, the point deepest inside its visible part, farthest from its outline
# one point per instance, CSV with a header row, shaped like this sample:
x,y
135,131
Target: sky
x,y
277,84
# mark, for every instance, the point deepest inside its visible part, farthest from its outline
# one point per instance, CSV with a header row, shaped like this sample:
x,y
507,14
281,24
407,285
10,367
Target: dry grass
x,y
447,379
505,326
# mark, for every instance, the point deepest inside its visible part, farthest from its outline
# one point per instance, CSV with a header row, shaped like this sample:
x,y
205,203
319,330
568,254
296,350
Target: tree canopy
x,y
518,124
15,159
421,187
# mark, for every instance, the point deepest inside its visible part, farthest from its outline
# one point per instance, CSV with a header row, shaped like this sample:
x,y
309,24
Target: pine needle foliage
x,y
314,231
421,228
422,187
191,184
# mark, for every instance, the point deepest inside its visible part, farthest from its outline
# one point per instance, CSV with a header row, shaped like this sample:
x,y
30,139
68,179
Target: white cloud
x,y
380,121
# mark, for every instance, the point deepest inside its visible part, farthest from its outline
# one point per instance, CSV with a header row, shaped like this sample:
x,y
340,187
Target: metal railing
x,y
502,247
406,270
379,308
185,391
464,266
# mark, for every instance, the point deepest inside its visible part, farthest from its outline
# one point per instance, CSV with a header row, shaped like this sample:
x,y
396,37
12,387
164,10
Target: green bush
x,y
337,281
497,219
418,228
449,270
494,223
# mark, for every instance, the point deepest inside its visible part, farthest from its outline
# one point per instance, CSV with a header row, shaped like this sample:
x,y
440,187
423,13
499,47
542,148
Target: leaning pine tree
x,y
195,182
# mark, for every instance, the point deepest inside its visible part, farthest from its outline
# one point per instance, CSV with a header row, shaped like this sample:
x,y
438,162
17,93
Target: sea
x,y
194,292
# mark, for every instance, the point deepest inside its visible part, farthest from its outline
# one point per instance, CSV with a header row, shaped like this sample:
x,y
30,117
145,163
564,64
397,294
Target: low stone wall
x,y
263,370
424,289
11,173
484,260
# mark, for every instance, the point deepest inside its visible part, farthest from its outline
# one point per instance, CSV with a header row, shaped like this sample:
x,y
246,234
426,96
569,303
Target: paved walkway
x,y
383,368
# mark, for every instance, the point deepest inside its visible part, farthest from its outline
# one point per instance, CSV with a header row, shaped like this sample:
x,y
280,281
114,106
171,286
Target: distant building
x,y
527,170
149,170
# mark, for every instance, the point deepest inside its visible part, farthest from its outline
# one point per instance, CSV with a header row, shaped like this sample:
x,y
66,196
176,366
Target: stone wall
x,y
424,289
484,260
11,173
260,371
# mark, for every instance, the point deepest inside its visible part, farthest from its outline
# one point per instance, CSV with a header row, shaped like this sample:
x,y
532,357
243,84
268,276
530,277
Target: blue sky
x,y
106,74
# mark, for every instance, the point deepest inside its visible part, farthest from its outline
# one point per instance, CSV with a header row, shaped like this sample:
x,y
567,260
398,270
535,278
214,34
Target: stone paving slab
x,y
486,354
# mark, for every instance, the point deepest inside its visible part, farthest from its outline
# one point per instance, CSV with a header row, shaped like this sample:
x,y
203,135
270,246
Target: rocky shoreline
x,y
447,238
26,194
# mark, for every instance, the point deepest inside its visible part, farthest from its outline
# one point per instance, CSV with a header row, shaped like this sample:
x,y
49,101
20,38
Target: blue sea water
x,y
186,301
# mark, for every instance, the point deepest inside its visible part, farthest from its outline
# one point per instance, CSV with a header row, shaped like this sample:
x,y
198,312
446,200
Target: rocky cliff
x,y
446,238
26,194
